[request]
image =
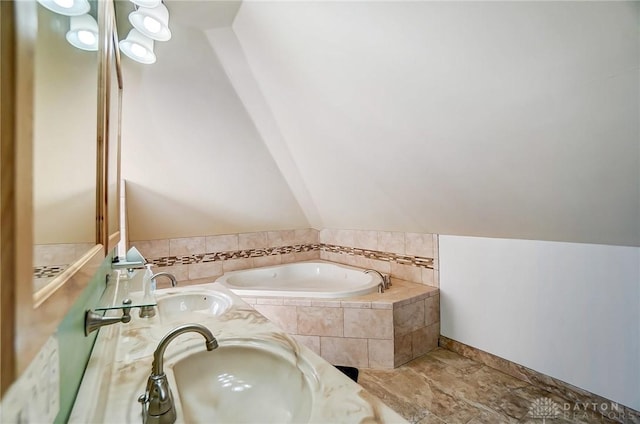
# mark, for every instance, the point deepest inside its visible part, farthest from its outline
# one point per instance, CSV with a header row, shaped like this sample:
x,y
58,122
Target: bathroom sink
x,y
205,302
245,382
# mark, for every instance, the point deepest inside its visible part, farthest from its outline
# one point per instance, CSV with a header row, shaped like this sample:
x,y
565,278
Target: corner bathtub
x,y
302,279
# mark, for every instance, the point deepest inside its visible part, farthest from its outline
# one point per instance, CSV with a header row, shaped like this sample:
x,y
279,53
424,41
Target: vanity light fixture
x,y
83,32
67,7
138,47
152,22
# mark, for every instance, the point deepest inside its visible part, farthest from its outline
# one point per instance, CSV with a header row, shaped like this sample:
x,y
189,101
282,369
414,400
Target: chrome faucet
x,y
149,311
157,402
174,281
386,280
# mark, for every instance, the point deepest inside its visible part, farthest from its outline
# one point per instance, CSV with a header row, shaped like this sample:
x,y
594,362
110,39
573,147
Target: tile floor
x,y
444,387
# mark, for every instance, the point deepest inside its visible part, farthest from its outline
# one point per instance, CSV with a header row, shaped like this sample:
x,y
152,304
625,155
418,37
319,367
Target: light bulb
x,y
67,4
138,50
86,37
151,24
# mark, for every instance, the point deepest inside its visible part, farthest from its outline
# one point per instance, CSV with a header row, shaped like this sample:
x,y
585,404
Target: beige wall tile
x,y
270,260
436,278
333,257
307,256
345,238
327,236
380,353
381,305
365,239
237,264
181,272
152,249
281,238
348,352
423,340
325,303
432,310
205,269
391,242
307,236
367,263
406,272
312,342
314,321
428,276
402,351
285,317
408,318
186,246
417,244
253,240
355,304
368,323
221,243
288,258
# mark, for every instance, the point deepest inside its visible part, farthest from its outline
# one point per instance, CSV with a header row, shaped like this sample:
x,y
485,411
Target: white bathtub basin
x,y
204,302
302,279
248,382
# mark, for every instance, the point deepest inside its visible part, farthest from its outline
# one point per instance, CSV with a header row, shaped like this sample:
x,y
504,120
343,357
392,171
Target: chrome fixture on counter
x,y
386,280
157,401
93,320
149,311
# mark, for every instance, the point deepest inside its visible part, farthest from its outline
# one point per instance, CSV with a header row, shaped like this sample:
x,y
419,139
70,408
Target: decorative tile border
x,y
416,261
236,254
48,271
580,397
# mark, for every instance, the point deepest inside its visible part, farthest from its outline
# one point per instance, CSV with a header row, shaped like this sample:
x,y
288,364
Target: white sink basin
x,y
205,302
247,382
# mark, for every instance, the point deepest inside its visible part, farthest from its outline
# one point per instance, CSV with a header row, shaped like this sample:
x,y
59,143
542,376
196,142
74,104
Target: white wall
x,y
497,119
194,163
571,311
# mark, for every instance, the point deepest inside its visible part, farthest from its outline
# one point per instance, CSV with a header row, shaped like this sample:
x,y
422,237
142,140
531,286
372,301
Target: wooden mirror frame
x,y
28,319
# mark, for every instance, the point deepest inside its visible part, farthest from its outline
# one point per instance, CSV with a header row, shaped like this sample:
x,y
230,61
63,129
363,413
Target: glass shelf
x,y
123,285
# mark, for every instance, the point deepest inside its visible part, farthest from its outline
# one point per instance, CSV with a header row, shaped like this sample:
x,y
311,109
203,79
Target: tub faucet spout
x,y
386,279
157,402
174,280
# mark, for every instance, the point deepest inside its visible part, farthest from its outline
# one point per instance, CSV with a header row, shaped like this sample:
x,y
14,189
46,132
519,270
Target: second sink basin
x,y
244,383
207,302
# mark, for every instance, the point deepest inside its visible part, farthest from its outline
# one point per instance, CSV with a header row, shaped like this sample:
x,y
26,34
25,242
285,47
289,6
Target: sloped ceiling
x,y
498,119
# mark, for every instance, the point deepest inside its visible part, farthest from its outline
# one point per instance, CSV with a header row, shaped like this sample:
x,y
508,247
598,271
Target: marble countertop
x,y
121,363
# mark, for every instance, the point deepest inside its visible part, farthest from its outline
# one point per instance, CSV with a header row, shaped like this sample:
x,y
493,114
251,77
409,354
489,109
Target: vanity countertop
x,y
121,363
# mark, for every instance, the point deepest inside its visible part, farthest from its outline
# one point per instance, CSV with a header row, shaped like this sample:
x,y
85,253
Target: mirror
x,y
113,144
64,149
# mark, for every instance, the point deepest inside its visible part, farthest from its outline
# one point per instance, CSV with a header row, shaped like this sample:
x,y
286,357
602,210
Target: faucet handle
x,y
157,401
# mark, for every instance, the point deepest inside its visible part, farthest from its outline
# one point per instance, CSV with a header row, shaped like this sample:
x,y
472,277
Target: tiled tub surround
x,y
371,331
122,356
377,331
407,256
